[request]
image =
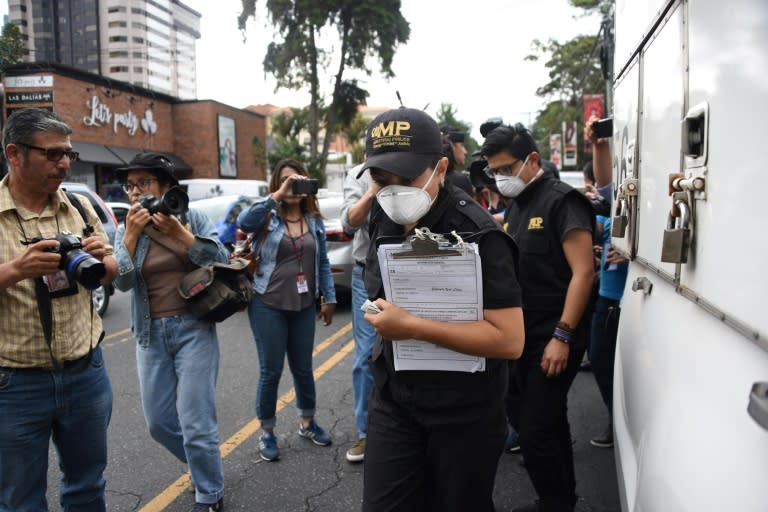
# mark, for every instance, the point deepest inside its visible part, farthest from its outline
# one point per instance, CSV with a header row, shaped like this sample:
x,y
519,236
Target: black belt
x,y
360,264
74,366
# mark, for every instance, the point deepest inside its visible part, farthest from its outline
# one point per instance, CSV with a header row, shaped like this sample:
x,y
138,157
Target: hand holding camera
x,y
41,258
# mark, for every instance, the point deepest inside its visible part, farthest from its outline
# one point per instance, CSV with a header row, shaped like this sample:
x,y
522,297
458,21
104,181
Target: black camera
x,y
174,202
78,264
603,128
600,205
308,187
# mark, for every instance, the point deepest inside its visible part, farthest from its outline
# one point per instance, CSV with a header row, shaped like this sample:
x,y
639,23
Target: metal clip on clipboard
x,y
424,242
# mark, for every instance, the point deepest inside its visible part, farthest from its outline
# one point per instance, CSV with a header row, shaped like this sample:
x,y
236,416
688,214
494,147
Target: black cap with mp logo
x,y
403,141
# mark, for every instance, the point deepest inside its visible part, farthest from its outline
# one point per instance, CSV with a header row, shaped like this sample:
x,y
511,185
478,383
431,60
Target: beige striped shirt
x,y
22,343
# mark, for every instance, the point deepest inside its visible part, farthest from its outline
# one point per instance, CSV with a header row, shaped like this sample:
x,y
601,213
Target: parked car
x,y
339,242
101,294
202,188
223,212
120,210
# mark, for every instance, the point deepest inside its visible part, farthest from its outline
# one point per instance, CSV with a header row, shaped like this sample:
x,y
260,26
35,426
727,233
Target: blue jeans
x,y
279,333
74,410
365,336
177,376
602,348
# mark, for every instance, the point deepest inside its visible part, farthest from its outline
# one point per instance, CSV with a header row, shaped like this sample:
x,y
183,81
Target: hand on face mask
x,y
405,205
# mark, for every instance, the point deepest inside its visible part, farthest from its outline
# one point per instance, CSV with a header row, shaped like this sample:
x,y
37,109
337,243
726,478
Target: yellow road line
x,y
177,488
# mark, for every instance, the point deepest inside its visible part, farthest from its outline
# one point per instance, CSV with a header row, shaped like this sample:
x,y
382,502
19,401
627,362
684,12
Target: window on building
x,y
118,39
118,24
118,69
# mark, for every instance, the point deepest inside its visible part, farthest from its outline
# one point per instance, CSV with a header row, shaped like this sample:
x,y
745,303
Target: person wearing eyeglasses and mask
x,y
53,382
552,224
434,437
177,355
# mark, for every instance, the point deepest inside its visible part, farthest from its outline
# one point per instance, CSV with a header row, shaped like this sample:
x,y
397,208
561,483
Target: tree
x,y
366,28
355,134
11,45
574,69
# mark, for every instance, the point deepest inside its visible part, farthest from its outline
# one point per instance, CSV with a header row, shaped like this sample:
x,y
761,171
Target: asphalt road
x,y
142,476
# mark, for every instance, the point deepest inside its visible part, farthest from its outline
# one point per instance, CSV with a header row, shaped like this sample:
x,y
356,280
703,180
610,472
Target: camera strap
x,y
44,305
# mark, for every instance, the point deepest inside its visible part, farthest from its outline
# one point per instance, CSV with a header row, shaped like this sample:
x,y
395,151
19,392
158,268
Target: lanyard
x,y
299,252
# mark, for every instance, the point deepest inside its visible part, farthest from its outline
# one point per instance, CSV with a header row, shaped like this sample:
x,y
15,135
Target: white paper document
x,y
446,286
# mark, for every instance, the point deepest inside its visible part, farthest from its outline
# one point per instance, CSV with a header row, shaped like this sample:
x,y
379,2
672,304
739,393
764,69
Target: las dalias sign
x,y
102,115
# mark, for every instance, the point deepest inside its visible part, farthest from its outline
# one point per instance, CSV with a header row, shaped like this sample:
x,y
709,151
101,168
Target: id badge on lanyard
x,y
302,284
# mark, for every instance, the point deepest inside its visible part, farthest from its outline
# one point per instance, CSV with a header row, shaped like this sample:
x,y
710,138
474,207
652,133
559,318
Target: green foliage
x,y
355,134
366,29
602,6
574,67
11,45
258,153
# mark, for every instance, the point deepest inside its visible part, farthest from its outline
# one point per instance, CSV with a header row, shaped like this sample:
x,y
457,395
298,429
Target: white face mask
x,y
511,186
405,205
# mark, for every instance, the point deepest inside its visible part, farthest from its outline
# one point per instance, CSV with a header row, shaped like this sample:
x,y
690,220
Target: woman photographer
x,y
177,355
294,272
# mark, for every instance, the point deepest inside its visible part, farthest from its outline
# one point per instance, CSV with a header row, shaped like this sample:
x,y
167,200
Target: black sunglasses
x,y
53,154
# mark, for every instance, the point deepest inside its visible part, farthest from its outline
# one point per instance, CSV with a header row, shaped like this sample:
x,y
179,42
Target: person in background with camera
x,y
53,382
177,355
552,224
294,272
613,277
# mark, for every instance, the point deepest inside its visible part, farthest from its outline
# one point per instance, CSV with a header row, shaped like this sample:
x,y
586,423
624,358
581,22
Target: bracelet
x,y
564,326
564,336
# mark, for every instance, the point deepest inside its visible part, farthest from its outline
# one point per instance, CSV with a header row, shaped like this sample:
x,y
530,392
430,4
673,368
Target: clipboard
x,y
424,243
433,278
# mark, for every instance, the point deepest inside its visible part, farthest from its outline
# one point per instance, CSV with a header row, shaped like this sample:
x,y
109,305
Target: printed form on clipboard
x,y
433,279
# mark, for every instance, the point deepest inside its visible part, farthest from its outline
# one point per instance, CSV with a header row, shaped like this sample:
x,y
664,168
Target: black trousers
x,y
545,434
414,462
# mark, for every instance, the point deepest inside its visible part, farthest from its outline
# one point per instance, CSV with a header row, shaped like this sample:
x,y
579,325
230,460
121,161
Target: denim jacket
x,y
205,250
250,220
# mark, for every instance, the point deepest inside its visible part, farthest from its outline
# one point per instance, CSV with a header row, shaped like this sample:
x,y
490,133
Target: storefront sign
x,y
29,97
29,82
102,115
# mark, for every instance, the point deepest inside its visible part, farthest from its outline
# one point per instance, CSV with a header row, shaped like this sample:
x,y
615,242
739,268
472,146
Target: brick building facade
x,y
112,121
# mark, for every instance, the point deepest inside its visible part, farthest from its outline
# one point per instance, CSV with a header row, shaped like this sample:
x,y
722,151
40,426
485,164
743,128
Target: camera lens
x,y
85,269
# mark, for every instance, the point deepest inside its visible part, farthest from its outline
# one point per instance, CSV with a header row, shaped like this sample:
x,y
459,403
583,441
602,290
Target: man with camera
x,y
53,383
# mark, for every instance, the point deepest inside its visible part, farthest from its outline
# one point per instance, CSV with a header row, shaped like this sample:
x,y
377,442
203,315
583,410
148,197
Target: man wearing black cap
x,y
552,223
434,437
456,153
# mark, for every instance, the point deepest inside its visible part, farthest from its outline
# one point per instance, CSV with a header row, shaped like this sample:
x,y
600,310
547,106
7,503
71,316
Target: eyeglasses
x,y
504,170
142,184
53,154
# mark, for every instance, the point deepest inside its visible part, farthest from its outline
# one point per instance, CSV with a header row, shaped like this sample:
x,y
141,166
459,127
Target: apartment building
x,y
148,43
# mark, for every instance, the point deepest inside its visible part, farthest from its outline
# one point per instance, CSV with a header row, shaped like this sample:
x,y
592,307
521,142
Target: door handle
x,y
758,404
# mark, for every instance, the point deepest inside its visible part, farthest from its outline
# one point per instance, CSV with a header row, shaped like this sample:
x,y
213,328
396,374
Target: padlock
x,y
620,220
619,226
677,237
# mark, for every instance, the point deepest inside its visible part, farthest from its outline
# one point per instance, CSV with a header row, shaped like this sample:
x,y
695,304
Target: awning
x,y
95,153
127,154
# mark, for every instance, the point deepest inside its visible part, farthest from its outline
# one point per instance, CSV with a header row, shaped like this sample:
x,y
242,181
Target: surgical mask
x,y
405,205
511,186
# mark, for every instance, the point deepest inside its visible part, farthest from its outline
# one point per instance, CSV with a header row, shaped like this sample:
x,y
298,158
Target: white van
x,y
201,188
690,401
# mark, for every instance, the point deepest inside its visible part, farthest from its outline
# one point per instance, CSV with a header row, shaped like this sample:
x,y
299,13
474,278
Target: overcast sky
x,y
467,53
